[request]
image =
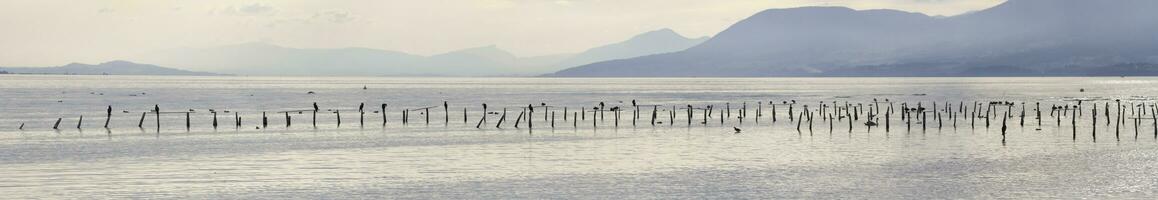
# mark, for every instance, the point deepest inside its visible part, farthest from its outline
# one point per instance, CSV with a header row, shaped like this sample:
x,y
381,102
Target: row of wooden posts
x,y
831,112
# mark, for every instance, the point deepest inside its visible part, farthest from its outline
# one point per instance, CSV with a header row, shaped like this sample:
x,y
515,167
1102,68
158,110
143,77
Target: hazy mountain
x,y
267,59
653,42
1025,37
107,68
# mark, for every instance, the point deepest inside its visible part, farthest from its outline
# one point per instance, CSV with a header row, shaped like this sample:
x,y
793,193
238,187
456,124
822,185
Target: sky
x,y
58,32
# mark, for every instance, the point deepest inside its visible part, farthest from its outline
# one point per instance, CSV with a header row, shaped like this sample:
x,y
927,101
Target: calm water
x,y
456,160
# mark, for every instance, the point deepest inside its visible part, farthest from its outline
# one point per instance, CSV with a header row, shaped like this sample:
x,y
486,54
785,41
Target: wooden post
x,y
690,115
361,115
616,110
188,124
722,117
483,119
520,118
288,121
1073,123
56,126
744,113
654,112
264,121
790,115
1003,127
157,109
1023,114
552,119
215,120
773,112
1118,124
1094,124
384,115
338,117
426,112
530,119
445,113
108,116
501,119
79,121
798,122
760,107
727,110
237,119
601,108
141,124
887,121
315,115
1037,109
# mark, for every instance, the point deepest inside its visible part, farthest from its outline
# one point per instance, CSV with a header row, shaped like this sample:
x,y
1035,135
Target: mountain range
x,y
107,68
268,59
1015,38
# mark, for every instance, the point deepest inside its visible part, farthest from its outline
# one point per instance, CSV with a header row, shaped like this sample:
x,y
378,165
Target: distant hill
x,y
268,59
1019,37
107,68
653,42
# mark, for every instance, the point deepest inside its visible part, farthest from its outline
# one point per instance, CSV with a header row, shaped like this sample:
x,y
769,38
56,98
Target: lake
x,y
438,155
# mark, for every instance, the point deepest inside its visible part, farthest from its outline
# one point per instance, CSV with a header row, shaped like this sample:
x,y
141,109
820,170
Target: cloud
x,y
334,16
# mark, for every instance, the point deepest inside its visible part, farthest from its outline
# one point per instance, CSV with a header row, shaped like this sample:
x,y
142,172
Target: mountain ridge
x,y
836,41
116,67
257,58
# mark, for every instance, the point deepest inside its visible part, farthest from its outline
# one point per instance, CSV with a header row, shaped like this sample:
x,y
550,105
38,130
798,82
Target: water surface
x,y
572,160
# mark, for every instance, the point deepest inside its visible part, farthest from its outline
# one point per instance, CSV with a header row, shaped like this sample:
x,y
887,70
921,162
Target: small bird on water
x,y
737,129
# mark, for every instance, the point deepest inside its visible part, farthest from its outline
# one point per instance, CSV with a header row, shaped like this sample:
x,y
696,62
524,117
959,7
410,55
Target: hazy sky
x,y
55,32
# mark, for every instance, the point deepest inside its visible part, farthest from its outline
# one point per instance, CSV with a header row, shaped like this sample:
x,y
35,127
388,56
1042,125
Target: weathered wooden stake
x,y
315,115
108,116
520,118
56,126
157,109
1003,127
690,109
361,114
1094,124
483,119
501,119
141,124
